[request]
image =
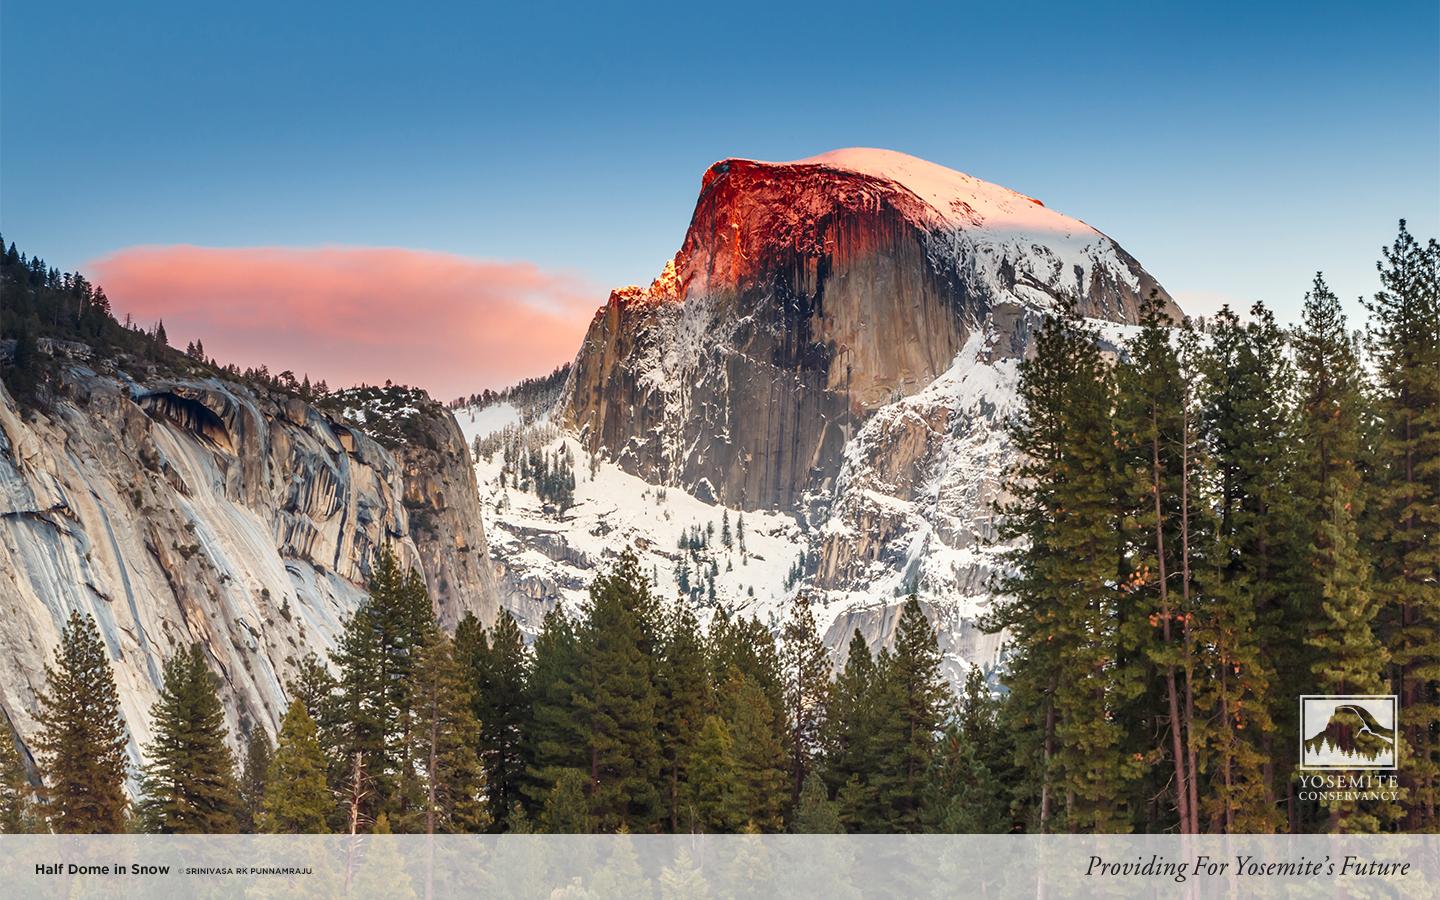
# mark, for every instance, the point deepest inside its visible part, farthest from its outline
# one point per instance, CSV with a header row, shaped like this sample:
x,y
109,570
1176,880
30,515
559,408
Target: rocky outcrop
x,y
197,509
808,295
960,641
445,522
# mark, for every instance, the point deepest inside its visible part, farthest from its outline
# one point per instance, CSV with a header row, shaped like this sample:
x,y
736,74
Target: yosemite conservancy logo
x,y
1347,731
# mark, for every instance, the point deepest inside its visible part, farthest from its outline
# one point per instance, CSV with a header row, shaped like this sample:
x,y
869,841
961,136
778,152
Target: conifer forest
x,y
1208,521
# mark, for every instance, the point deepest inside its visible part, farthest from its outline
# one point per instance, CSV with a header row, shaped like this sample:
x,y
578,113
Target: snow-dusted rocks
x,y
837,341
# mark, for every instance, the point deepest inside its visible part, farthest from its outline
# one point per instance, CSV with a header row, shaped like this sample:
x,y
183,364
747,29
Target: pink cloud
x,y
447,323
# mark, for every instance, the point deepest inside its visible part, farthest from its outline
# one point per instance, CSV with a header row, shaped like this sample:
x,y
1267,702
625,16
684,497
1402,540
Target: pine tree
x,y
683,880
1070,673
497,667
613,701
816,813
961,795
713,799
189,782
567,808
1405,332
1247,429
253,778
745,870
760,760
82,738
546,738
16,812
980,765
1152,424
315,687
376,655
1033,616
441,725
910,700
296,799
622,878
319,692
807,670
1334,571
383,872
849,739
748,645
684,696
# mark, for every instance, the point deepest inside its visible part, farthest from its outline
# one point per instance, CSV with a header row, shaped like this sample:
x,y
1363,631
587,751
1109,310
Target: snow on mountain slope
x,y
922,526
995,226
834,349
549,557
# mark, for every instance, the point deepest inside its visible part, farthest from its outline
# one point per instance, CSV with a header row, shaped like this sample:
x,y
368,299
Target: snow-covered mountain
x,y
833,351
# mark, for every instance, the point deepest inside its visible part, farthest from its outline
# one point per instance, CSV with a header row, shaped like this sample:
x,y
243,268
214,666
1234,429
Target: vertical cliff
x,y
838,340
808,295
443,501
197,508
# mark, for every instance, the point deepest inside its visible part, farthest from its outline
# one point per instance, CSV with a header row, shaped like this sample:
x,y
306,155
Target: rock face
x,y
806,296
838,339
445,522
200,510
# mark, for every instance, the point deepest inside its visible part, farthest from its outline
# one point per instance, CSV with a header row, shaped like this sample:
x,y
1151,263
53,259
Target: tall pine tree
x,y
1157,453
296,798
613,700
849,739
82,738
807,670
1066,593
189,782
1405,334
758,754
684,698
497,669
546,743
1333,578
16,812
910,702
377,655
1247,428
258,754
441,726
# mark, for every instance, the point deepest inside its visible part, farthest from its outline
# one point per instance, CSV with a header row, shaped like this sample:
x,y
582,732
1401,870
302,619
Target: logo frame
x,y
1383,709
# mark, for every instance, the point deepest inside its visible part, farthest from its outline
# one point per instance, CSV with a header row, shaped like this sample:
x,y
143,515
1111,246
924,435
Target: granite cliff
x,y
808,295
836,346
194,507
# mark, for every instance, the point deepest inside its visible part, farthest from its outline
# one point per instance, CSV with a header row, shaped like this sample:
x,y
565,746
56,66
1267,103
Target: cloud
x,y
448,323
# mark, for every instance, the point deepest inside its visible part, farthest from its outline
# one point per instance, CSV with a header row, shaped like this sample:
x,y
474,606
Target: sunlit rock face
x,y
838,339
806,296
197,510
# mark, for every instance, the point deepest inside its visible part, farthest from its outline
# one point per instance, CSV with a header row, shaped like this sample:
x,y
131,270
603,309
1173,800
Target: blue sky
x,y
1232,148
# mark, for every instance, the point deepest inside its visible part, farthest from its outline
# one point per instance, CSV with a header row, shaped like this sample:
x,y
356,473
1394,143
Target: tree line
x,y
1212,526
626,718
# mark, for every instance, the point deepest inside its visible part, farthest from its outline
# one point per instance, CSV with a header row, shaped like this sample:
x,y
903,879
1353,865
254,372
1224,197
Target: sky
x,y
443,193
